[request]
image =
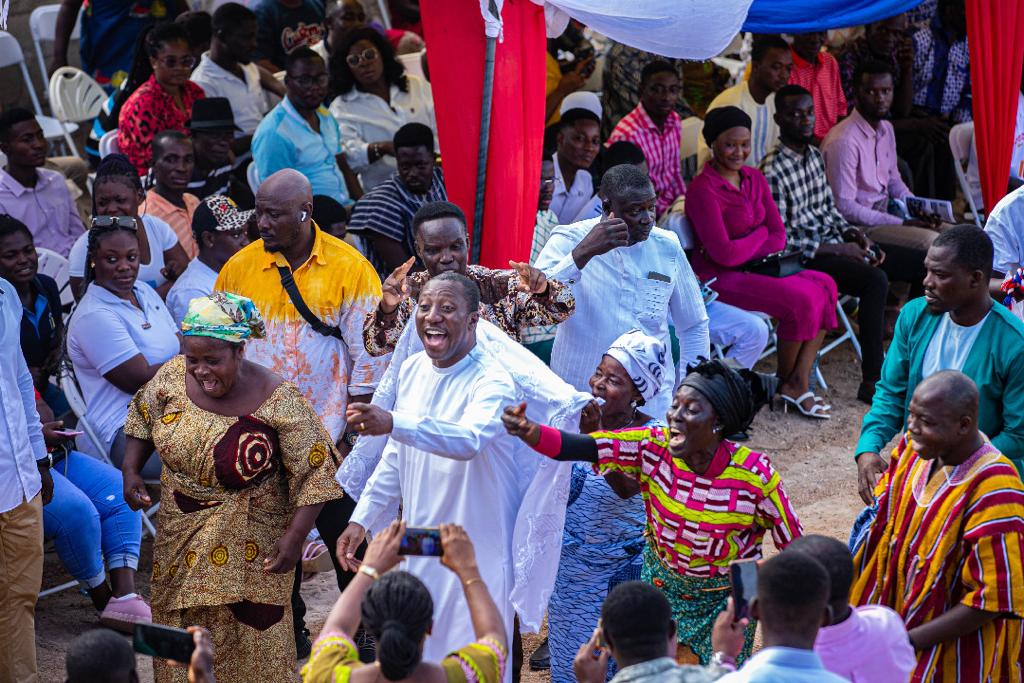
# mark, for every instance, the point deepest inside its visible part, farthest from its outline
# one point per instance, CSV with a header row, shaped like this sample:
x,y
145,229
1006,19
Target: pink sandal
x,y
315,559
121,614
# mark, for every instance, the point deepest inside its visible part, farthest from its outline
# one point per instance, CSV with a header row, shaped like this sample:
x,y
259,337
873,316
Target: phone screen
x,y
421,542
165,642
743,574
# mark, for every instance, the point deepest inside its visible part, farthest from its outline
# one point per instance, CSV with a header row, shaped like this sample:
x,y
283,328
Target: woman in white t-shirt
x,y
117,191
120,333
375,98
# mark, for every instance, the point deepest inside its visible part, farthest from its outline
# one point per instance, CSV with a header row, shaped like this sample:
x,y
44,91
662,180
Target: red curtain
x,y
455,33
995,33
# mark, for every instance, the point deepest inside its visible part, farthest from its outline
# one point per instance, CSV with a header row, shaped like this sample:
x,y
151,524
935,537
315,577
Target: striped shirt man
x,y
699,523
387,211
661,150
956,538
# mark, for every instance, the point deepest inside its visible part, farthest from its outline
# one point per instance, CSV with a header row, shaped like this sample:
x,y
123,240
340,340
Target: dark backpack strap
x,y
288,282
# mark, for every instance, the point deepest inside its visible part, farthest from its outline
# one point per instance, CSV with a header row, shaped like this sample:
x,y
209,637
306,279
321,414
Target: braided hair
x,y
112,168
398,611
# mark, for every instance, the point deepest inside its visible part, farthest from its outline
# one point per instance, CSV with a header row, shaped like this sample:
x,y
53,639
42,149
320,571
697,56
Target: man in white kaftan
x,y
625,273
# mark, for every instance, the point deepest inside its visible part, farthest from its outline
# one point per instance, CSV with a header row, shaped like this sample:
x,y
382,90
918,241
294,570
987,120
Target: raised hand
x,y
609,233
396,287
459,555
516,423
366,418
382,553
531,280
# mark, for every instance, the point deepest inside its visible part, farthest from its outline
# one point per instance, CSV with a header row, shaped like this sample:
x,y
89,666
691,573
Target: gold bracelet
x,y
467,584
369,571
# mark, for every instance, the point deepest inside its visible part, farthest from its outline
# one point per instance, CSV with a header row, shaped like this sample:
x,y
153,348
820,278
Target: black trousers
x,y
331,523
931,163
871,285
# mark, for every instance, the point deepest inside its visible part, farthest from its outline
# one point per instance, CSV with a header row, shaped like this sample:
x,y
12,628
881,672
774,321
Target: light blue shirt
x,y
197,280
284,140
104,332
21,435
775,664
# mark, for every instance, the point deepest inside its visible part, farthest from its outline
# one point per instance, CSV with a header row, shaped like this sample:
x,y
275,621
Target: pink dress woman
x,y
734,226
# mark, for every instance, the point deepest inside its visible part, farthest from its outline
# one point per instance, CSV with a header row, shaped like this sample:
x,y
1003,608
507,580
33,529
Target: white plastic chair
x,y
689,137
960,137
43,25
75,98
253,176
56,266
108,143
11,55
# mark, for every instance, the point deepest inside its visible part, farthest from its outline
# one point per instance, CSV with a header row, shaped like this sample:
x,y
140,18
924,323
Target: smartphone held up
x,y
164,642
421,541
743,577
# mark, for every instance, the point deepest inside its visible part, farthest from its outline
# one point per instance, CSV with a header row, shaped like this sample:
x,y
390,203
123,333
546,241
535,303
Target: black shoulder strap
x,y
288,282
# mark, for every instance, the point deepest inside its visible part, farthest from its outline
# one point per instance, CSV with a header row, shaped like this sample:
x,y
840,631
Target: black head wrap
x,y
719,120
735,393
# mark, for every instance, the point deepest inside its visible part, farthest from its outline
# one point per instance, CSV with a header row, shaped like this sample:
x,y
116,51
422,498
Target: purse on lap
x,y
779,264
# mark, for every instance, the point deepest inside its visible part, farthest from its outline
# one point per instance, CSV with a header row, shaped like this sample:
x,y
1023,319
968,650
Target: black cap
x,y
212,113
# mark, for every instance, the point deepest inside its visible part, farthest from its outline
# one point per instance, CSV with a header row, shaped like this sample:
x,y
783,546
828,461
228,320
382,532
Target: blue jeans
x,y
88,520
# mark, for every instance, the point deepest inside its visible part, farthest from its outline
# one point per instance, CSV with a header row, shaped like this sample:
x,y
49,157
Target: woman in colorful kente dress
x,y
603,541
243,480
708,501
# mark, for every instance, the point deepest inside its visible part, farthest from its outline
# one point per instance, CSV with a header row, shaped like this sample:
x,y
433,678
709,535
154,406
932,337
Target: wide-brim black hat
x,y
212,113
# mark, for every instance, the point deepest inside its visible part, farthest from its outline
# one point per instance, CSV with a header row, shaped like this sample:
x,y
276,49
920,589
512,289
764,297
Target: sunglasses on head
x,y
367,56
125,222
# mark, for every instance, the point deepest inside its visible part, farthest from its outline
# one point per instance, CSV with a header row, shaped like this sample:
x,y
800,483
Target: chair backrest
x,y
960,137
108,143
11,55
412,63
253,176
56,266
43,23
74,95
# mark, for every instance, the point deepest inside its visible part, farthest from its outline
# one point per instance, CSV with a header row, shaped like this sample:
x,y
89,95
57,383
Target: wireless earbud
x,y
303,215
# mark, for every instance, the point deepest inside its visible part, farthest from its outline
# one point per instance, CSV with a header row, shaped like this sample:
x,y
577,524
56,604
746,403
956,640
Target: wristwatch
x,y
45,463
349,438
723,660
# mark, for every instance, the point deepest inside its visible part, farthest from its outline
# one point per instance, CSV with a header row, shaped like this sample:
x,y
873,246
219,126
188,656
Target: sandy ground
x,y
813,457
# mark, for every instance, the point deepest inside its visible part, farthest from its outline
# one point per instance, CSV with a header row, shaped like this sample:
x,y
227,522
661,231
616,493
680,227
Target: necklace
x,y
630,419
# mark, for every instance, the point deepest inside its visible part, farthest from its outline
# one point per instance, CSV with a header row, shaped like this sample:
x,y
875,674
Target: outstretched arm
x,y
548,441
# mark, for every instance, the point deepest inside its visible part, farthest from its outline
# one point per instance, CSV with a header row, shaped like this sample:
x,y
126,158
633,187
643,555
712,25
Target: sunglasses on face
x,y
126,222
306,81
176,62
367,56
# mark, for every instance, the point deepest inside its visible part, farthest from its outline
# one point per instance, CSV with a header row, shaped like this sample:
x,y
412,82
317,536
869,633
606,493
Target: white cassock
x,y
449,460
540,492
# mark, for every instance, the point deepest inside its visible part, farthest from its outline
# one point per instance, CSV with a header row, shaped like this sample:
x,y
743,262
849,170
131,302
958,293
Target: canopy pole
x,y
485,136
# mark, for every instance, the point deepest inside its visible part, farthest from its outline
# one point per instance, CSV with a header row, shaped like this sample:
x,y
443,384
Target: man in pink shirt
x,y
860,162
866,644
36,196
818,72
655,127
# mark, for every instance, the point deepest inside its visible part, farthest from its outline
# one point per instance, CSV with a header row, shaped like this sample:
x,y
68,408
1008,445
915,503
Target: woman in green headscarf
x,y
243,481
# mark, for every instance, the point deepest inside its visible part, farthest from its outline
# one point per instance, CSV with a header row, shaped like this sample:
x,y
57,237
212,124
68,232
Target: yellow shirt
x,y
340,287
553,78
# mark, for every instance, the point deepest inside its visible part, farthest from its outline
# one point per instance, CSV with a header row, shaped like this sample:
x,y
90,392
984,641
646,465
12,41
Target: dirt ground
x,y
814,458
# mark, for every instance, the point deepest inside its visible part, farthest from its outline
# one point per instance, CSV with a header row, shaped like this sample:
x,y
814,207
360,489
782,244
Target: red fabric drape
x,y
455,33
995,34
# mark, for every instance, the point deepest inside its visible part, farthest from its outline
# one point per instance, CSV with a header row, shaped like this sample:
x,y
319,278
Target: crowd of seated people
x,y
270,248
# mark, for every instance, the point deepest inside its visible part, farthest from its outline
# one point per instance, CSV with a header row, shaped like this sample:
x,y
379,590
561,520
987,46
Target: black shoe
x,y
739,436
540,660
303,647
866,392
367,646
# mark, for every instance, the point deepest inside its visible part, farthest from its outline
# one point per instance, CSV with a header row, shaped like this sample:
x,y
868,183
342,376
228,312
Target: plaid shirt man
x,y
800,189
661,150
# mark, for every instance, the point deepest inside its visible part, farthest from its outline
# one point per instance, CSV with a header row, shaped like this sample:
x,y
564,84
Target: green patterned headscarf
x,y
222,315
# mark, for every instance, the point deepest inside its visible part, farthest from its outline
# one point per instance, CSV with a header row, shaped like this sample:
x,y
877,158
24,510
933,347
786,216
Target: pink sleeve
x,y
550,444
772,220
705,214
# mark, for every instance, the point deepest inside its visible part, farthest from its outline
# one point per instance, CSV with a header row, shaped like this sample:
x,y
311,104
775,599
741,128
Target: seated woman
x,y
375,98
164,101
121,332
734,217
42,322
733,494
246,470
604,524
396,609
92,528
117,191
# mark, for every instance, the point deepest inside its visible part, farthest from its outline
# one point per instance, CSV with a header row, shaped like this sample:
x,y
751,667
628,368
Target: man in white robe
x,y
448,458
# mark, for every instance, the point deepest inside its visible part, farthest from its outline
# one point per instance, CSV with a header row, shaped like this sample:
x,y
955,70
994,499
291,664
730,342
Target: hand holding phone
x,y
164,642
743,576
421,541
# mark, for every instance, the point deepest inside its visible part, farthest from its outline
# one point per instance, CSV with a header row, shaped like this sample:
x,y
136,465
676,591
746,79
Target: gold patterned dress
x,y
229,488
